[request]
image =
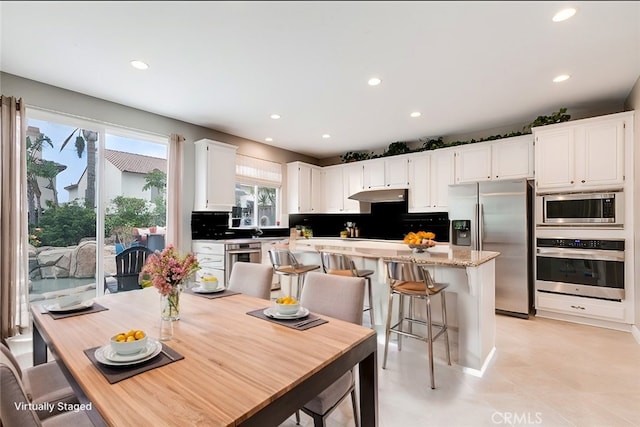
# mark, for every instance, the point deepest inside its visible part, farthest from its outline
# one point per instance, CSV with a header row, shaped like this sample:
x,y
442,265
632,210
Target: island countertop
x,y
397,250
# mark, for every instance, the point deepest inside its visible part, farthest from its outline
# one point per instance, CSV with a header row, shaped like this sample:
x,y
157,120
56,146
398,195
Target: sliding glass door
x,y
93,191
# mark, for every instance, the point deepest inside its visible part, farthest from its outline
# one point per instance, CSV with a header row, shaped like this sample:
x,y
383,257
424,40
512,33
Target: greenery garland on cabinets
x,y
396,148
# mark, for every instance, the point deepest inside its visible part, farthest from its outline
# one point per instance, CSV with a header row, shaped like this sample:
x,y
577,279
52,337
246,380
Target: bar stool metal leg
x,y
445,325
371,316
387,330
430,342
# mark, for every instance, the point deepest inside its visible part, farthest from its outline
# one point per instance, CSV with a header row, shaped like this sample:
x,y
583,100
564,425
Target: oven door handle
x,y
244,251
581,254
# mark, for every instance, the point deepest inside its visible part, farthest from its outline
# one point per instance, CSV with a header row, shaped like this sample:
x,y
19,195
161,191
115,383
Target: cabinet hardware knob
x,y
571,182
583,181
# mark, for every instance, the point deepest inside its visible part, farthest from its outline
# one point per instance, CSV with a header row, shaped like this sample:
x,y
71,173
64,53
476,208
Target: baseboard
x,y
584,320
636,333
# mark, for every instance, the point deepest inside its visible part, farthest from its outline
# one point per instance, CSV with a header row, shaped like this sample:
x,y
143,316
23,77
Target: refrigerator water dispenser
x,y
460,232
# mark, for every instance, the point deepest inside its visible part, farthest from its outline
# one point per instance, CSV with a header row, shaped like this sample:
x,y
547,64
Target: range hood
x,y
380,196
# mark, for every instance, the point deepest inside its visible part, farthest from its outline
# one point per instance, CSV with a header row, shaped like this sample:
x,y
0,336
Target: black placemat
x,y
62,314
114,374
225,293
290,323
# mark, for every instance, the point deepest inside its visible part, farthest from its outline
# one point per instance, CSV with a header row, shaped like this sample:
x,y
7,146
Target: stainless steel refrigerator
x,y
500,214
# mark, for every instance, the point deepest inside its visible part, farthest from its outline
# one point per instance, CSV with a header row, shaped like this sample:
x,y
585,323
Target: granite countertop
x,y
458,258
399,251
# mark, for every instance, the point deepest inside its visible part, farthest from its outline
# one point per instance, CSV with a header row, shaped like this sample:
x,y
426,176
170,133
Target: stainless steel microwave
x,y
581,209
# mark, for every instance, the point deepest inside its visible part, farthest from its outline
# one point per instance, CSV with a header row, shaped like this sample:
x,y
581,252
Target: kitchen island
x,y
469,274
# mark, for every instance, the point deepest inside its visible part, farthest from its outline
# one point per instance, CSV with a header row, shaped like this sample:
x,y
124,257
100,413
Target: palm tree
x,y
39,168
86,141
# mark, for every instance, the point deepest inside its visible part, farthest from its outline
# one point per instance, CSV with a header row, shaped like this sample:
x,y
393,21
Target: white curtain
x,y
14,287
258,171
174,190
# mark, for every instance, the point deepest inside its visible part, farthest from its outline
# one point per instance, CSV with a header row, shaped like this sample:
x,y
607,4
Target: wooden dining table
x,y
237,369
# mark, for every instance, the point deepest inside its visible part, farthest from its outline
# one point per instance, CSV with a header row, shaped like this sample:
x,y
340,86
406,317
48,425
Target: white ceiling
x,y
466,66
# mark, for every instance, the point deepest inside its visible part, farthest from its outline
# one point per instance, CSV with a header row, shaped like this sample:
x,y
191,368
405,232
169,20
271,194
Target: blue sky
x,y
69,157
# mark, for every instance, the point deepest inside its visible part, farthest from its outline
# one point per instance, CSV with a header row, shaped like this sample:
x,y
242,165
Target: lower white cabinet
x,y
210,256
583,307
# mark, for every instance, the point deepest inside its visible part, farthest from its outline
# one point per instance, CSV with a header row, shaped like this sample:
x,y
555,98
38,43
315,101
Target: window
x,y
258,184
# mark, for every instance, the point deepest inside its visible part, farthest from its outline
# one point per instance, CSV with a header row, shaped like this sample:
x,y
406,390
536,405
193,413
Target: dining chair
x,y
251,278
343,265
129,264
286,264
408,279
16,409
42,383
340,297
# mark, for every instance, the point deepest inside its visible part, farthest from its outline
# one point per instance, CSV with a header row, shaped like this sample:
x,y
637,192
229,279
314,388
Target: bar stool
x,y
285,263
343,265
408,279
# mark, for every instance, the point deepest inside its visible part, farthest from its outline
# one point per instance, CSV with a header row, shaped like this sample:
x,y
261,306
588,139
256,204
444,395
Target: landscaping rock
x,y
83,260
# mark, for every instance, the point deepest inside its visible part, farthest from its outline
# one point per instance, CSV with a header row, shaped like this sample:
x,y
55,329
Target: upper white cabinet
x,y
215,176
508,158
333,189
339,183
304,188
390,172
430,174
582,155
512,158
352,176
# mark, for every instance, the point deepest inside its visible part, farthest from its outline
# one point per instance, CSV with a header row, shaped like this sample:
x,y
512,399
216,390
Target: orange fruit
x,y
138,335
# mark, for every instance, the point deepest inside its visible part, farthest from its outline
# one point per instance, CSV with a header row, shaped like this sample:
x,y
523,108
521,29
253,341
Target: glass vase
x,y
170,304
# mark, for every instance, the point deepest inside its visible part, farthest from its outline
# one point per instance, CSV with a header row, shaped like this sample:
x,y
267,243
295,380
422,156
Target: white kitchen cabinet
x,y
581,307
473,163
430,174
512,158
304,188
583,155
333,189
339,182
210,256
508,158
215,176
391,172
352,175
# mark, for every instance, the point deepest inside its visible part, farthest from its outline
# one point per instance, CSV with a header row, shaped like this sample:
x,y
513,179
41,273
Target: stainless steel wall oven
x,y
583,267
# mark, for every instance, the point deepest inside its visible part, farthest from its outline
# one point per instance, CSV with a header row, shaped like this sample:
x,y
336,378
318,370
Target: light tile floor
x,y
544,373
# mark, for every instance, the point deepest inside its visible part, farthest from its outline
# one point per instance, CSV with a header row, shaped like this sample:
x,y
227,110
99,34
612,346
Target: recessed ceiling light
x,y
416,114
564,14
374,81
140,65
561,78
326,136
268,139
275,116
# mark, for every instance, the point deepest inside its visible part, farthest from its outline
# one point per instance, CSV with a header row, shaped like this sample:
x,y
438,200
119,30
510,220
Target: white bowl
x,y
287,308
130,347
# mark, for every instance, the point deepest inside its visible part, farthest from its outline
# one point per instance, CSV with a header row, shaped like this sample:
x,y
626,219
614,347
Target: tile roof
x,y
135,163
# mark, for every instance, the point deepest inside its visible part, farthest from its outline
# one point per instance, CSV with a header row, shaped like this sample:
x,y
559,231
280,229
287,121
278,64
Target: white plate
x,y
56,307
271,312
201,290
103,353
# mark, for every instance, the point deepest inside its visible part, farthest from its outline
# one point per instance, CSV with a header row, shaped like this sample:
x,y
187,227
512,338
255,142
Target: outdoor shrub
x,y
65,225
127,212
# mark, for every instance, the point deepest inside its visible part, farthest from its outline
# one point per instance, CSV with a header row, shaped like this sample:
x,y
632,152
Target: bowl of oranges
x,y
287,305
129,342
419,241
